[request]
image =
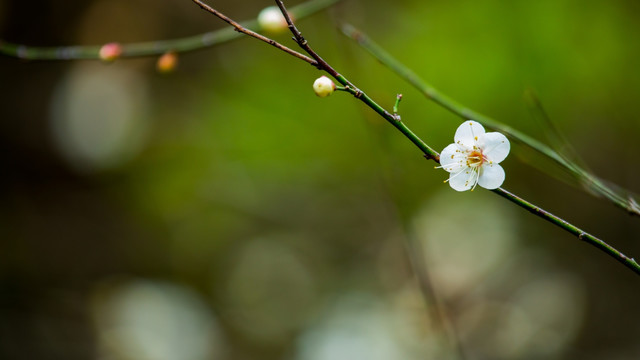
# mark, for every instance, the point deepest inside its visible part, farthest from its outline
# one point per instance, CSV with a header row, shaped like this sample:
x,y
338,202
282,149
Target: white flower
x,y
323,86
473,158
270,19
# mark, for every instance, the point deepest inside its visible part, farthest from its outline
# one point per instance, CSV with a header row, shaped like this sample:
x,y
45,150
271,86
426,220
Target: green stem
x,y
391,118
397,104
583,176
151,48
581,234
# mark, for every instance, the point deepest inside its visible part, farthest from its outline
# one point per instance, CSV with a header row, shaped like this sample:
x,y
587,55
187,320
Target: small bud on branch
x,y
110,52
323,86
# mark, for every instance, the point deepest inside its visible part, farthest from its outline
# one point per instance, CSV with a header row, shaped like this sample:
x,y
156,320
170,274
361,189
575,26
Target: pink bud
x,y
110,51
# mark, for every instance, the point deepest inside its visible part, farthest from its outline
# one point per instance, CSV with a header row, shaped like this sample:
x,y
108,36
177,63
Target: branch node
x,y
435,158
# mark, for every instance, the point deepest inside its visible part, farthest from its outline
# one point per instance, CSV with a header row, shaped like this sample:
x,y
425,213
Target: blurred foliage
x,y
225,212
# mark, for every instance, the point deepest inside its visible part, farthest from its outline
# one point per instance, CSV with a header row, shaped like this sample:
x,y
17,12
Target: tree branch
x,y
428,151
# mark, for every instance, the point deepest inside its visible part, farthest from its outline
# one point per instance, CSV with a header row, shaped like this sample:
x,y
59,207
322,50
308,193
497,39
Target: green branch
x,y
631,263
151,48
428,152
622,199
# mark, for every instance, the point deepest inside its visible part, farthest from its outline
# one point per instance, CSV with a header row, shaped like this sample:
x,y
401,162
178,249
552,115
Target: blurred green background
x,y
226,212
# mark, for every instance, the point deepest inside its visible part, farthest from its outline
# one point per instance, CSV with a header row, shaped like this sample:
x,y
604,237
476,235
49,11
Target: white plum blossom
x,y
474,157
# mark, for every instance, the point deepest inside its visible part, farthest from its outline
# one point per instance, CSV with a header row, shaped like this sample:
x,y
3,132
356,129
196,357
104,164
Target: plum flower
x,y
474,157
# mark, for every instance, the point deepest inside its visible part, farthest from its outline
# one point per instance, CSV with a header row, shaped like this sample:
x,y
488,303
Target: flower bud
x,y
167,62
271,20
110,51
323,86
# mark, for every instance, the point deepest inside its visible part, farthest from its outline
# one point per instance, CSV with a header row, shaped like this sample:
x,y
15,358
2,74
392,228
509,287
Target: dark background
x,y
225,212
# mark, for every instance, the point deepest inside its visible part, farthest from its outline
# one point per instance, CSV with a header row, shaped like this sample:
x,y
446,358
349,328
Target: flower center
x,y
475,158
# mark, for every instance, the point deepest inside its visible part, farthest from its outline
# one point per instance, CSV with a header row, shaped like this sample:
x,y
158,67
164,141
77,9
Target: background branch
x,y
152,48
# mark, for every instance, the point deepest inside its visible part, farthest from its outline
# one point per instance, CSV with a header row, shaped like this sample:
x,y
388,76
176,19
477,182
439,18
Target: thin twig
x,y
254,34
578,232
300,40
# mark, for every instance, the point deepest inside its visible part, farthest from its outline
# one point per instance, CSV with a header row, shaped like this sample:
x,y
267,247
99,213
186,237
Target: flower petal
x,y
491,176
452,158
463,180
496,147
469,133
